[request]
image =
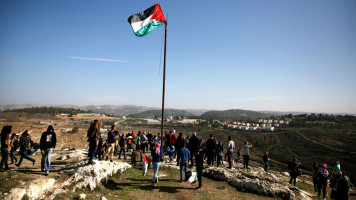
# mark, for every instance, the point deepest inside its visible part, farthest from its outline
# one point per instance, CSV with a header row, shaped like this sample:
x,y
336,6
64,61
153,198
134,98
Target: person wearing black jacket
x,y
26,145
180,144
122,147
211,149
199,160
110,144
93,139
220,153
193,146
5,143
15,142
47,145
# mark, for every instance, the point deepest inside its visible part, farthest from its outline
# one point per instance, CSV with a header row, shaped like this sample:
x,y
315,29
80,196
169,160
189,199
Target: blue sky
x,y
272,55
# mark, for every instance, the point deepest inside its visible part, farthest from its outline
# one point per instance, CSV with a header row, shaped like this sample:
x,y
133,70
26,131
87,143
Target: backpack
x,y
128,141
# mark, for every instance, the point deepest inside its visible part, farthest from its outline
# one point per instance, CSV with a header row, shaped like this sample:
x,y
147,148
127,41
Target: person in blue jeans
x,y
5,143
93,139
26,144
184,156
156,159
230,149
47,145
15,143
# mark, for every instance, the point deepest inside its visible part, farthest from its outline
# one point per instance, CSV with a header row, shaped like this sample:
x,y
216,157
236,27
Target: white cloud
x,y
98,59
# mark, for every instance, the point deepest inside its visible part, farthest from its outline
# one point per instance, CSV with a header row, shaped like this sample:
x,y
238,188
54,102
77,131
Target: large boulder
x,y
15,194
86,175
256,181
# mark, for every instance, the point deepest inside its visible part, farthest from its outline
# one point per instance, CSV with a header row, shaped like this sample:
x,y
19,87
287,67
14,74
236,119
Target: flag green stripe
x,y
148,28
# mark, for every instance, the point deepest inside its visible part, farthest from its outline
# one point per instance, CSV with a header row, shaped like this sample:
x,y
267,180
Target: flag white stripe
x,y
136,26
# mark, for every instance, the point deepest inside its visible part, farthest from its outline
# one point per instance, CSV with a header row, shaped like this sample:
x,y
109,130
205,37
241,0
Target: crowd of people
x,y
27,147
339,182
188,151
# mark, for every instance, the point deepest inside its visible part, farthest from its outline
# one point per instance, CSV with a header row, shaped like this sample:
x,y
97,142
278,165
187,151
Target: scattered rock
x,y
169,166
39,187
103,198
75,154
15,194
82,196
285,174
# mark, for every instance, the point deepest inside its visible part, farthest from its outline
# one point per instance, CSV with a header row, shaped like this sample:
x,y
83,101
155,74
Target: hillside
x,y
234,115
120,110
158,113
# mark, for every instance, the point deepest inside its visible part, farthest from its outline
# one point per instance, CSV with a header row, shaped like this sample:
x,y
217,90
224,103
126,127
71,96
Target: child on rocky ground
x,y
171,153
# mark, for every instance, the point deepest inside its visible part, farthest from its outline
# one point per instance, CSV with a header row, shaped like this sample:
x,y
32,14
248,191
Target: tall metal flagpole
x,y
164,80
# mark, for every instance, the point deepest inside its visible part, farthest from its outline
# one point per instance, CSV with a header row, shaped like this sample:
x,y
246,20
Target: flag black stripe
x,y
141,16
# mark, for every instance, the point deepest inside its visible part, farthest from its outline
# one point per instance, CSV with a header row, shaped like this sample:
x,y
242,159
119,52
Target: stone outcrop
x,y
90,176
80,175
169,166
74,154
255,181
15,194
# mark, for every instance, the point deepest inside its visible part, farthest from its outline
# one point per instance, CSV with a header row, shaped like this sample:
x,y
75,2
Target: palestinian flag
x,y
145,163
145,22
193,178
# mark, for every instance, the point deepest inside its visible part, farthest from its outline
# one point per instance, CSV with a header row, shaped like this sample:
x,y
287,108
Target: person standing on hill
x,y
110,144
14,141
184,156
166,139
211,150
93,135
122,147
47,145
220,153
246,149
323,176
230,149
144,142
199,161
26,144
179,144
294,170
5,143
315,176
138,141
265,160
193,146
116,146
156,159
149,141
99,151
173,139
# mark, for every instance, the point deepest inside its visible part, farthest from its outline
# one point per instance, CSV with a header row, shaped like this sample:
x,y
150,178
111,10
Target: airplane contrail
x,y
99,59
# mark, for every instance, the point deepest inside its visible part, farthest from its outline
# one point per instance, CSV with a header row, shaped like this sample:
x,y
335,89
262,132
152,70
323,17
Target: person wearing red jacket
x,y
173,139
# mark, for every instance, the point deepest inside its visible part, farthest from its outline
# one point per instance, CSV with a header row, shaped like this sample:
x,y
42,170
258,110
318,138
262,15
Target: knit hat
x,y
323,170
